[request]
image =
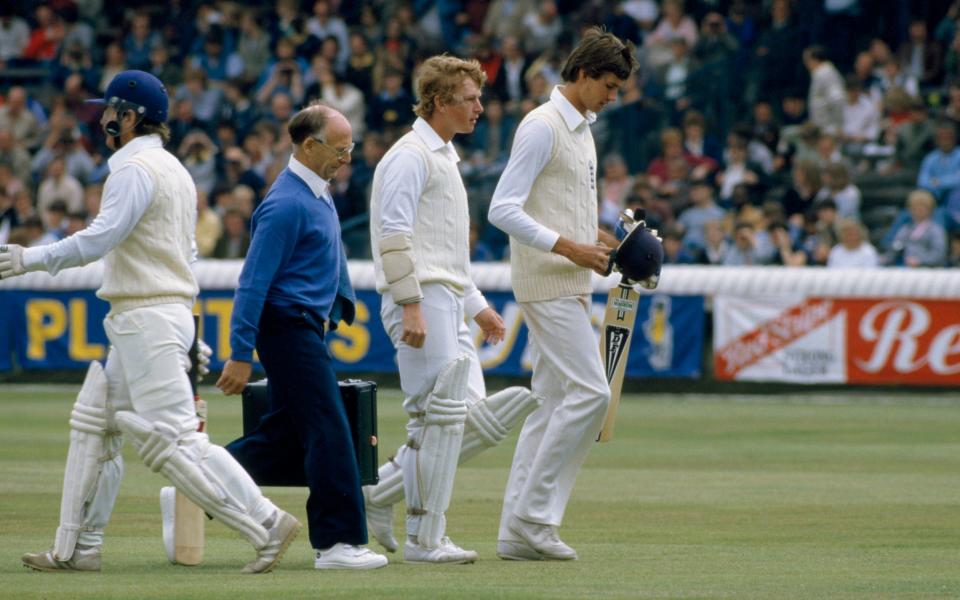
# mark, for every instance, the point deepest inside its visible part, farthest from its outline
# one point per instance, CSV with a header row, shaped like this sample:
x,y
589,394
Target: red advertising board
x,y
820,340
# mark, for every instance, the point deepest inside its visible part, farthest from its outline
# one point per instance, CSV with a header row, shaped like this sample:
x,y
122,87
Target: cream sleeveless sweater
x,y
152,264
441,242
563,198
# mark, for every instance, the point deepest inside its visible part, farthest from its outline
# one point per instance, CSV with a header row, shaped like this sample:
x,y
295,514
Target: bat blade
x,y
616,334
189,519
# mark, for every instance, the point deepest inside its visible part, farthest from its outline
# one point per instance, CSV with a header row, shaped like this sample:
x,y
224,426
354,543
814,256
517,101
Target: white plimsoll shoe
x,y
347,556
83,559
380,522
168,515
516,550
446,553
281,534
541,538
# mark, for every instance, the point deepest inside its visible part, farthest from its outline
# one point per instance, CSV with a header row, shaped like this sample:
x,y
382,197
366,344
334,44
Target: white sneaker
x,y
446,552
347,556
168,515
541,538
380,522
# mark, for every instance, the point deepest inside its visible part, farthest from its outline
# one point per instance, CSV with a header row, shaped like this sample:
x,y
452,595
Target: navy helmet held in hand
x,y
639,256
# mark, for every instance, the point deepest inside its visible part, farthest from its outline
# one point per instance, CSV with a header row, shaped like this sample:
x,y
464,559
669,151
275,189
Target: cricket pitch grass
x,y
828,495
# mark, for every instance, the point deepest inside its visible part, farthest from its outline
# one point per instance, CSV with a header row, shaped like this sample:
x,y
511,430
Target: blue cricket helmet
x,y
639,256
138,91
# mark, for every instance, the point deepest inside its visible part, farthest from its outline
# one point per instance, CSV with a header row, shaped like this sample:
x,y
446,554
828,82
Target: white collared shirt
x,y
127,194
532,148
319,186
406,172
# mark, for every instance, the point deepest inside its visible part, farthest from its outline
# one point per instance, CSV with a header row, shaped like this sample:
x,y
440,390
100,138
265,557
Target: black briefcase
x,y
360,402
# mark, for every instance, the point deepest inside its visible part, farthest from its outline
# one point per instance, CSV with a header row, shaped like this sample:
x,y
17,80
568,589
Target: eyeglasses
x,y
341,153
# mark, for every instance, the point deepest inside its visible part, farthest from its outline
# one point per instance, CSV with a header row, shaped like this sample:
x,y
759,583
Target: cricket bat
x,y
616,333
188,528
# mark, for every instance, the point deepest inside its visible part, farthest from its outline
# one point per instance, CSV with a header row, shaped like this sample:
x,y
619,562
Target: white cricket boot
x,y
83,559
284,529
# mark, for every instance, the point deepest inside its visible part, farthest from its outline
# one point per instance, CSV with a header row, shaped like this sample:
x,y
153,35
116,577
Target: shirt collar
x,y
316,184
132,147
573,117
433,140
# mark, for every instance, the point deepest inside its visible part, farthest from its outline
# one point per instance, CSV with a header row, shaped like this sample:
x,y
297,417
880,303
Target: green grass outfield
x,y
806,496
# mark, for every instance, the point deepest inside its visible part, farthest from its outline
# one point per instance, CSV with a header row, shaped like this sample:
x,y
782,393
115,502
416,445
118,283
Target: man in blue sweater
x,y
293,281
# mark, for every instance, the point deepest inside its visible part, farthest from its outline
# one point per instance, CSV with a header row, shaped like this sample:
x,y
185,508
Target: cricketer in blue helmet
x,y
144,233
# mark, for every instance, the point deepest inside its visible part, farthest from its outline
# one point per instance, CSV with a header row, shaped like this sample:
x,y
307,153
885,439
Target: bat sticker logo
x,y
616,340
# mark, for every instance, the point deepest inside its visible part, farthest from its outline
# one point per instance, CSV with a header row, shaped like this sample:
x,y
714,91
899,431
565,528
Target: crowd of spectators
x,y
743,136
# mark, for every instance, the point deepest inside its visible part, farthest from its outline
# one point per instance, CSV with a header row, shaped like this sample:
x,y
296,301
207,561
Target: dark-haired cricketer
x,y
293,282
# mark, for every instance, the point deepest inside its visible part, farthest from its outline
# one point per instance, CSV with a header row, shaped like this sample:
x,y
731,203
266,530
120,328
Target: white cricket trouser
x,y
448,337
146,372
555,439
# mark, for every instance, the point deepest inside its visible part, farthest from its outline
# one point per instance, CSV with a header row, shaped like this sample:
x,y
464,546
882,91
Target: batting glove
x,y
11,261
204,352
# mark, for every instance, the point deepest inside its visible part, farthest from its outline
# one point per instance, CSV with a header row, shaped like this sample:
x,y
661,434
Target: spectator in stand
x,y
235,239
115,62
891,77
17,118
786,252
826,97
198,153
863,73
54,217
764,126
615,185
215,60
778,54
391,109
940,170
8,217
674,252
13,154
758,154
491,138
46,36
59,185
922,242
324,24
673,24
161,67
828,150
716,244
253,46
511,85
914,139
738,171
360,64
798,199
65,144
838,187
140,40
209,226
671,146
703,210
542,27
14,33
861,119
696,141
951,112
745,250
504,18
338,94
677,80
853,251
919,57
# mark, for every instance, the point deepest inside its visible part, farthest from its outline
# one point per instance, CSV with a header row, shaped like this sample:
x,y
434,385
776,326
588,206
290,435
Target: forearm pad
x,y
396,253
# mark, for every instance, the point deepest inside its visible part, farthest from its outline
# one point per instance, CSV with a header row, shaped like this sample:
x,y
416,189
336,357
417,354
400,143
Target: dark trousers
x,y
305,437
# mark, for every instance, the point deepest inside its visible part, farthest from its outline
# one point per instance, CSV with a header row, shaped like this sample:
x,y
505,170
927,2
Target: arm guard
x,y
396,252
